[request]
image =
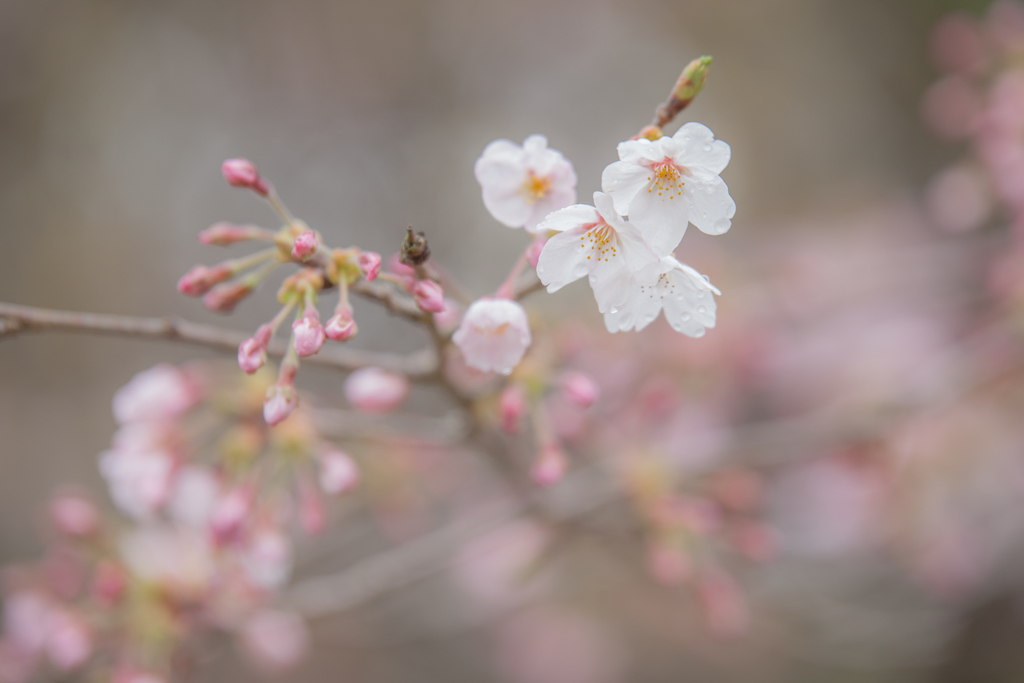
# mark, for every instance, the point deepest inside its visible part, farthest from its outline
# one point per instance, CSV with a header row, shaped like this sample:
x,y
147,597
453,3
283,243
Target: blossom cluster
x,y
211,492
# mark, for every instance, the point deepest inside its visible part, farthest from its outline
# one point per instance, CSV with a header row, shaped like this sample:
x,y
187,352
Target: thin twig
x,y
15,319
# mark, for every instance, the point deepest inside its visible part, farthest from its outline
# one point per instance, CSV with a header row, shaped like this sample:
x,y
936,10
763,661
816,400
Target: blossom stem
x,y
508,287
343,307
280,208
244,263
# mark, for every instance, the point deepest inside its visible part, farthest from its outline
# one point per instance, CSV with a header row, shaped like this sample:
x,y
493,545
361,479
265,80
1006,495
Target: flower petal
x,y
711,207
623,181
562,260
570,217
661,216
698,149
612,283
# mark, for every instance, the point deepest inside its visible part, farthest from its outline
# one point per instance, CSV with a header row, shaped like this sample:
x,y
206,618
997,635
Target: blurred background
x,y
367,117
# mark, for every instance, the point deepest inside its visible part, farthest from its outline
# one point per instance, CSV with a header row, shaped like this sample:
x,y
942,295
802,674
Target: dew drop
x,y
707,147
686,317
702,309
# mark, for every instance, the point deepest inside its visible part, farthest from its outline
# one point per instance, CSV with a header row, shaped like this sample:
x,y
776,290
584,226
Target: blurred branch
x,y
15,319
578,494
392,300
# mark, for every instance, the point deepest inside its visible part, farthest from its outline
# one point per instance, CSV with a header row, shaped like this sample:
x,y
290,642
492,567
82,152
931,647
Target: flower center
x,y
666,178
602,242
491,331
534,187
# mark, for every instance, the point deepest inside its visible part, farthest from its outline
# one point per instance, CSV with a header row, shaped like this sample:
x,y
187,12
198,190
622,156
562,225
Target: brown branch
x,y
526,286
392,300
15,319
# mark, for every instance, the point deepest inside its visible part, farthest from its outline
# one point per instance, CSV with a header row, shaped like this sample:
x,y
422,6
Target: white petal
x,y
698,149
635,151
661,212
691,309
562,260
570,217
623,181
640,259
612,283
711,207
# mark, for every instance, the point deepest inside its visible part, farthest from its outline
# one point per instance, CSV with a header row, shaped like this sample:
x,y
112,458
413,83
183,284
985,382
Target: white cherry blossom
x,y
493,335
664,184
522,185
684,294
596,241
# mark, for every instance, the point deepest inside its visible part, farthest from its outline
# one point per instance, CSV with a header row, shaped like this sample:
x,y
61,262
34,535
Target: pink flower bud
x,y
223,234
305,245
369,264
580,389
224,298
68,642
341,327
449,318
374,390
251,355
549,467
74,515
229,514
200,279
279,404
275,639
429,296
109,583
243,173
309,333
338,472
533,251
511,407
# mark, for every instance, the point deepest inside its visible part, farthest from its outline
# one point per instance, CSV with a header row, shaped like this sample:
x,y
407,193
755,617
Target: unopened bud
x,y
374,390
511,408
200,279
692,80
369,264
341,327
251,355
429,296
309,333
279,404
243,173
580,389
651,133
338,472
223,298
223,234
74,515
305,245
690,83
550,465
415,250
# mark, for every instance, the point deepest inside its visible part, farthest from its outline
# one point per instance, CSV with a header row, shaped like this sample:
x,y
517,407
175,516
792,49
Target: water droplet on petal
x,y
686,316
707,147
702,309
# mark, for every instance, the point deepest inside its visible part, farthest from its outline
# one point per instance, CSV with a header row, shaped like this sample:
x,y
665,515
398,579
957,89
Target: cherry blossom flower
x,y
268,558
161,392
429,296
493,335
338,472
683,293
374,390
139,481
309,333
522,185
663,184
596,241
